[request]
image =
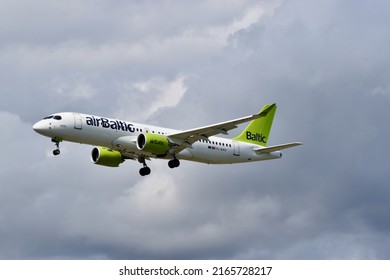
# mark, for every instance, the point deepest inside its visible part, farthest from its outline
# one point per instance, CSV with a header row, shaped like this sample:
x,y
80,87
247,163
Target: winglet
x,y
266,109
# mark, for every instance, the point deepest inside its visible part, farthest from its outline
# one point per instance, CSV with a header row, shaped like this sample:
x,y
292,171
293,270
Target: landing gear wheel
x,y
56,152
174,163
144,171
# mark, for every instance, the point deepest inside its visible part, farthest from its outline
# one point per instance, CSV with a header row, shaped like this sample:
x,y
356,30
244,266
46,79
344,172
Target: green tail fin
x,y
257,132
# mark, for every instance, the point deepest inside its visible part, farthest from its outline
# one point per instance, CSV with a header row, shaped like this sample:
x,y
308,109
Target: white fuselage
x,y
122,135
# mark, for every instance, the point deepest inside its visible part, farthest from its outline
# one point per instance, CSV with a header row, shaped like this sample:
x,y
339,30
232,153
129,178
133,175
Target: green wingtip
x,y
268,107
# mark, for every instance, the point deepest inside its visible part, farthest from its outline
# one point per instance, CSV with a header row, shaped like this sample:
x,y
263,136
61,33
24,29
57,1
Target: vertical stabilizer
x,y
258,131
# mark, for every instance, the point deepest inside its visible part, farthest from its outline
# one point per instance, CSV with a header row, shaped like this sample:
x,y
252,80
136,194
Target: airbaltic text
x,y
256,137
113,124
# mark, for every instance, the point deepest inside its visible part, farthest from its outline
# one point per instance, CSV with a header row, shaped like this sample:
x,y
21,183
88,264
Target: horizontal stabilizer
x,y
276,148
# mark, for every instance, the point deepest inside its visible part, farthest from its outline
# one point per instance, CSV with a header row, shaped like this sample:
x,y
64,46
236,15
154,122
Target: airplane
x,y
116,140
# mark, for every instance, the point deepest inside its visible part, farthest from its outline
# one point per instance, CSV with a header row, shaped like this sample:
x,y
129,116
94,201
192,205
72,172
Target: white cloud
x,y
76,92
164,94
381,91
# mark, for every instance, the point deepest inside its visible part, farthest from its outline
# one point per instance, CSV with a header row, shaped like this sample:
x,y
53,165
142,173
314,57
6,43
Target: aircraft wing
x,y
275,148
186,138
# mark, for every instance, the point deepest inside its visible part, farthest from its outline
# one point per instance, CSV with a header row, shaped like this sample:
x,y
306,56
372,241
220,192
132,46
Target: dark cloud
x,y
324,63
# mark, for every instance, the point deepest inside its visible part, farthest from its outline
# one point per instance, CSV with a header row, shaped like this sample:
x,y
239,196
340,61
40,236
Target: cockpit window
x,y
56,117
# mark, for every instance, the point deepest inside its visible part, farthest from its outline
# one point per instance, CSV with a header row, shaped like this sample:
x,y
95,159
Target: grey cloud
x,y
326,66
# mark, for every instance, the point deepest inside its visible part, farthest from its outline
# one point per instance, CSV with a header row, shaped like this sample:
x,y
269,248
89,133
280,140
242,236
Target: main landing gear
x,y
144,171
57,151
174,163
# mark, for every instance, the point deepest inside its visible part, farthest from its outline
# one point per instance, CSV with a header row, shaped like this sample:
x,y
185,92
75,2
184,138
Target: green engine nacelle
x,y
106,157
153,143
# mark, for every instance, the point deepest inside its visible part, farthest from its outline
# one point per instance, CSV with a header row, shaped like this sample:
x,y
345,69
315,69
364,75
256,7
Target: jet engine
x,y
106,157
153,143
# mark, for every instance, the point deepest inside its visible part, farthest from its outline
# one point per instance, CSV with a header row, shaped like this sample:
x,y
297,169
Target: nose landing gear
x,y
57,151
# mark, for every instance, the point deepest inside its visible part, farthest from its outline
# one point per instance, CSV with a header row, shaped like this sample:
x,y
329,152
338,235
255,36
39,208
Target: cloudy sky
x,y
184,64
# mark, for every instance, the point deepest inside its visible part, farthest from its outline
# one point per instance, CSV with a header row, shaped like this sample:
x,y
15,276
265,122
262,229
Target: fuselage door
x,y
78,124
236,147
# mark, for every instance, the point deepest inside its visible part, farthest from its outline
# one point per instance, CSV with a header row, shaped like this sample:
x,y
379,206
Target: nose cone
x,y
40,127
